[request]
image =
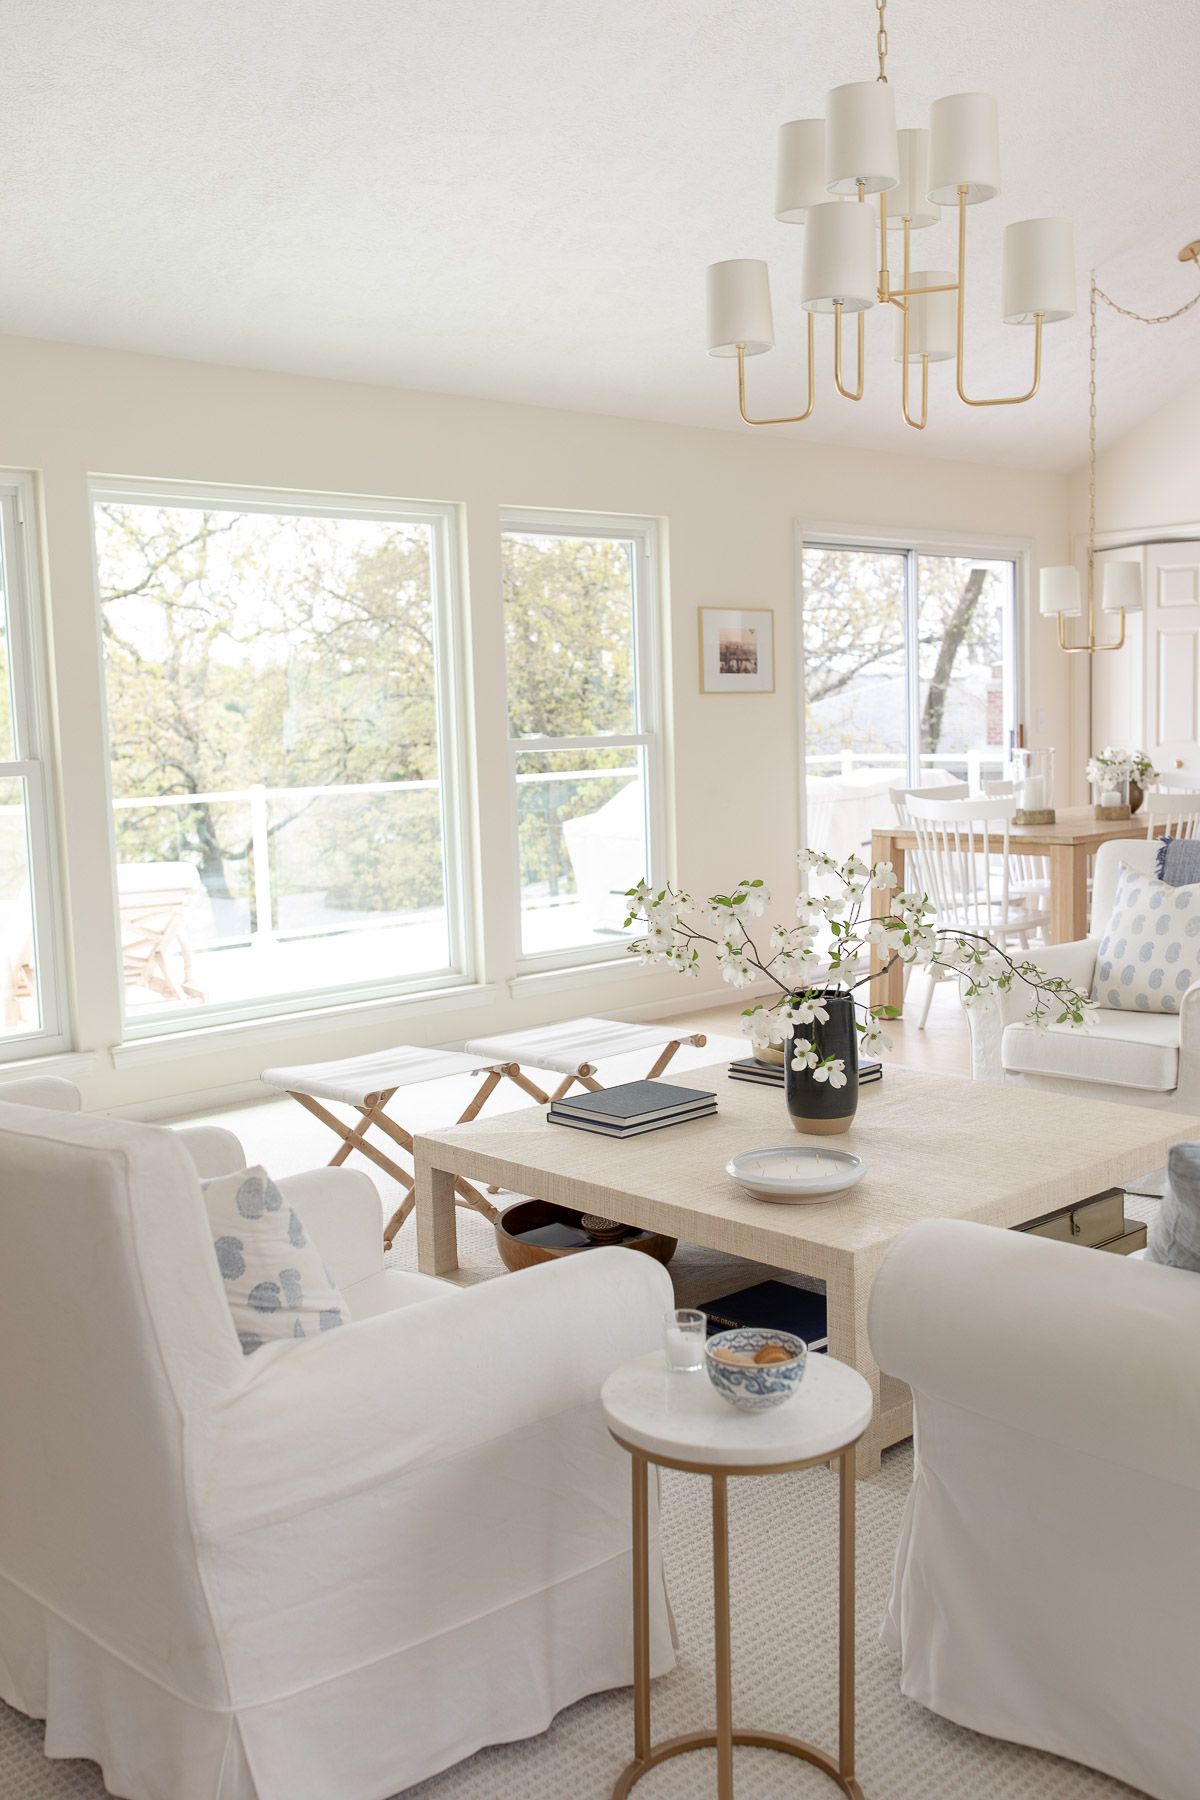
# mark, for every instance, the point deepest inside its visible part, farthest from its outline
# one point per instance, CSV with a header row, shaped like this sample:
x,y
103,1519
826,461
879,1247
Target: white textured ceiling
x,y
518,198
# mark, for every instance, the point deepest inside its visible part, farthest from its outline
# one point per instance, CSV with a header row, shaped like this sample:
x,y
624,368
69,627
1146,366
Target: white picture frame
x,y
737,650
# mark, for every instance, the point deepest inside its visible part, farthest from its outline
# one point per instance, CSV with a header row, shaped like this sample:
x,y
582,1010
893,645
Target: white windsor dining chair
x,y
964,860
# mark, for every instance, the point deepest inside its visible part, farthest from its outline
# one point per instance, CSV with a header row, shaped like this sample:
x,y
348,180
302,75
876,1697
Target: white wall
x,y
1150,478
729,499
1147,483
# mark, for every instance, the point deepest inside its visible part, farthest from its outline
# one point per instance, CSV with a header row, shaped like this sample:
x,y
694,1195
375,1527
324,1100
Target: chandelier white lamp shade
x,y
739,308
964,149
861,151
910,200
800,170
1039,271
1121,588
1061,591
851,180
927,327
837,268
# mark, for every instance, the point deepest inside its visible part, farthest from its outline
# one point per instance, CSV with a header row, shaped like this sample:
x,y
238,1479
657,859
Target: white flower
x,y
735,970
808,909
756,899
883,877
832,1070
763,1028
809,1008
803,1055
875,1037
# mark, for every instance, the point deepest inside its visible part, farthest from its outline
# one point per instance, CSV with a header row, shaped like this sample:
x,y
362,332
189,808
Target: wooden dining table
x,y
1068,846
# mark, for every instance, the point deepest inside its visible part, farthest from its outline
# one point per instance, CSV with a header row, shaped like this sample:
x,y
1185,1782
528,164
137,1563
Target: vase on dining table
x,y
819,1106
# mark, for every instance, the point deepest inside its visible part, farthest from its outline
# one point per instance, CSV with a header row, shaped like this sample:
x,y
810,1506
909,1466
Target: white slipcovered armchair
x,y
1047,1580
332,1567
1143,1058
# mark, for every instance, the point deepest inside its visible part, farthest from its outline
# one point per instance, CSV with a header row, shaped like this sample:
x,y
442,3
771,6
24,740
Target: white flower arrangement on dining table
x,y
804,971
1113,765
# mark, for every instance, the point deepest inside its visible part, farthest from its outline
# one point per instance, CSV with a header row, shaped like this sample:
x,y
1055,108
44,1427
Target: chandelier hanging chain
x,y
1095,291
1127,312
881,40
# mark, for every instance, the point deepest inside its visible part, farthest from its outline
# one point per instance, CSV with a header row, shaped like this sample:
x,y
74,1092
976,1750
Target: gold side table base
x,y
724,1739
759,1740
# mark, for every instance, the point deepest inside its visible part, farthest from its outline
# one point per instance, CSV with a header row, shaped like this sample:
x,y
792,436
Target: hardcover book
x,y
632,1103
773,1304
613,1128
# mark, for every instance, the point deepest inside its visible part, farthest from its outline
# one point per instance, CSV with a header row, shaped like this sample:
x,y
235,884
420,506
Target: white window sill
x,y
72,1065
574,975
174,1045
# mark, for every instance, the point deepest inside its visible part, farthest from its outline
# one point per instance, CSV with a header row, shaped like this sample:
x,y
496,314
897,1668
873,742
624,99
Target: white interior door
x,y
1172,661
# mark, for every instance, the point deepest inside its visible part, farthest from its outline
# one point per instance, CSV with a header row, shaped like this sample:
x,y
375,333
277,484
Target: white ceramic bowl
x,y
795,1174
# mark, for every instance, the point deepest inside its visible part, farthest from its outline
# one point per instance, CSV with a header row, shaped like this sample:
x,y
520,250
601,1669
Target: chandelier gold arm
x,y
796,418
1091,647
999,399
855,393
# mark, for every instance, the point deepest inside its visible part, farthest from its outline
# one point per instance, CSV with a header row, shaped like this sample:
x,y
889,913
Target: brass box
x,y
1094,1222
1132,1238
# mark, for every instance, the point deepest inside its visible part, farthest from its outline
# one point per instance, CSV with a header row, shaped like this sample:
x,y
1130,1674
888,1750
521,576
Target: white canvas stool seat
x,y
368,1083
573,1047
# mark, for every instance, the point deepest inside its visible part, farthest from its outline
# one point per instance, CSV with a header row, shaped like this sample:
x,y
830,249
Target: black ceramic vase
x,y
818,1106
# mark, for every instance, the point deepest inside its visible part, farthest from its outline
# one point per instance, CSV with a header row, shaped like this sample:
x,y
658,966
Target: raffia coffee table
x,y
936,1147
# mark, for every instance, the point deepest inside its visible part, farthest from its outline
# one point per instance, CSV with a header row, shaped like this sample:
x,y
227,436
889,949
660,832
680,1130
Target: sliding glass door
x,y
910,679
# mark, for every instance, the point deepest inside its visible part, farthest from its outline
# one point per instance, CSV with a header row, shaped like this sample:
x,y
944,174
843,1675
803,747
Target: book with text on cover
x,y
777,1306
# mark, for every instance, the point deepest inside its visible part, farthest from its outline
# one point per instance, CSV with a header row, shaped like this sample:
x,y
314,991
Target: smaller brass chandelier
x,y
1121,591
827,165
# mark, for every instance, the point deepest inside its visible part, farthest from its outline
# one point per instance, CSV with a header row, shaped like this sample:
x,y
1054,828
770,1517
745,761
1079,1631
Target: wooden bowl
x,y
517,1252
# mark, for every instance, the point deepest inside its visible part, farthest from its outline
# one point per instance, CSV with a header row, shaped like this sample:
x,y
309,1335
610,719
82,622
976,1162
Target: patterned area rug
x,y
784,1534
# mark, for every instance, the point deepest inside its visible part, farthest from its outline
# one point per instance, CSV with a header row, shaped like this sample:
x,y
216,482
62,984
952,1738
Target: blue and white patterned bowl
x,y
753,1387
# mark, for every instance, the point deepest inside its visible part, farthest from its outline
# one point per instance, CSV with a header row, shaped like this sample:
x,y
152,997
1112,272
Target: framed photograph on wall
x,y
737,650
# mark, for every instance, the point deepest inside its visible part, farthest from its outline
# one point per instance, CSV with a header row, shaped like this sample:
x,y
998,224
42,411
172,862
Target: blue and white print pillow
x,y
1150,954
275,1281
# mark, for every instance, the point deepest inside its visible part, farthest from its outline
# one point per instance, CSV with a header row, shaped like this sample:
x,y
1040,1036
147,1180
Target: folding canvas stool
x,y
368,1083
572,1050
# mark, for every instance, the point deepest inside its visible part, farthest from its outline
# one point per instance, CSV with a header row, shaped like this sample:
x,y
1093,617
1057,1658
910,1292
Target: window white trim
x,y
31,762
987,546
444,522
647,740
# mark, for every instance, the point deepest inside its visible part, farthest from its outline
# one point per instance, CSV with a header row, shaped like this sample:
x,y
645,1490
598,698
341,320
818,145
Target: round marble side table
x,y
679,1421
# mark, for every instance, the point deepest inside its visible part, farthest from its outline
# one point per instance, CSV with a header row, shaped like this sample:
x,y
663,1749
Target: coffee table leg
x,y
641,1610
437,1227
721,1636
846,1615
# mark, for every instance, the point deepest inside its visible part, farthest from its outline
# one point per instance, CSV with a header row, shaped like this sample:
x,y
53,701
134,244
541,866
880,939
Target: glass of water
x,y
685,1334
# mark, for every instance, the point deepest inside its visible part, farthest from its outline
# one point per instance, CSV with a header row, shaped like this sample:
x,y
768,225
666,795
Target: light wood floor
x,y
944,1047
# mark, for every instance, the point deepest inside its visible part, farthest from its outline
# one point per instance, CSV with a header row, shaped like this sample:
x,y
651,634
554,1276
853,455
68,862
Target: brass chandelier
x,y
1061,594
827,168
